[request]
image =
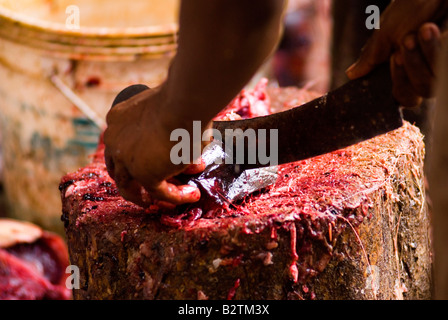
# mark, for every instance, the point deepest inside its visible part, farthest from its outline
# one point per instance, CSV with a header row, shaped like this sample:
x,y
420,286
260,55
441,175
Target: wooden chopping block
x,y
351,224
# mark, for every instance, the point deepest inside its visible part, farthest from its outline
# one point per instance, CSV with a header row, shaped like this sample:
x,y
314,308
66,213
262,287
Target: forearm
x,y
222,43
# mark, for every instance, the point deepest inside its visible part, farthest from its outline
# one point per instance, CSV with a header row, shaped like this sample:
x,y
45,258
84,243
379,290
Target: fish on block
x,y
351,224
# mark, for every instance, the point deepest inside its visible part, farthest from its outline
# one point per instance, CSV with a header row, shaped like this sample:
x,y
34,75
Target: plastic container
x,y
44,135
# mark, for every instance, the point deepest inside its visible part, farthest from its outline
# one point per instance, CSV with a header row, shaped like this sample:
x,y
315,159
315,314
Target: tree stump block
x,y
352,224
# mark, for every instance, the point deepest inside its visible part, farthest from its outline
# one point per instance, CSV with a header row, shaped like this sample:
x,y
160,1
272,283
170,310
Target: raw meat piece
x,y
32,263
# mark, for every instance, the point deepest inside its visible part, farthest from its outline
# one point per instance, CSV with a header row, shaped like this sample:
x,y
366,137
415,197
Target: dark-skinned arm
x,y
222,43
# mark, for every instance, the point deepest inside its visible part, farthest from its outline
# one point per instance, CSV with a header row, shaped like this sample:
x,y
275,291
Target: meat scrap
x,y
32,263
249,103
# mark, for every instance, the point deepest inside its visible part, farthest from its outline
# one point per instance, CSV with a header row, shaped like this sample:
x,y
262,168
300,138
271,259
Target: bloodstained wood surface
x,y
351,224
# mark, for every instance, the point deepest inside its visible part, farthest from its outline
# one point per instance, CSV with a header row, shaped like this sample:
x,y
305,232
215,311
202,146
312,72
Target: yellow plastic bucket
x,y
90,48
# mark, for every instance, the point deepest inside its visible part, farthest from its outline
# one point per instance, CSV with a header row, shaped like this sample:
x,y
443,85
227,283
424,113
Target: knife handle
x,y
128,93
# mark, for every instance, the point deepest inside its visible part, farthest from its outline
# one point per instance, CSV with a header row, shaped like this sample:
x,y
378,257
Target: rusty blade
x,y
359,110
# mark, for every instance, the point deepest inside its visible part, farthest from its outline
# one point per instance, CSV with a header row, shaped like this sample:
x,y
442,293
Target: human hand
x,y
413,66
137,152
411,43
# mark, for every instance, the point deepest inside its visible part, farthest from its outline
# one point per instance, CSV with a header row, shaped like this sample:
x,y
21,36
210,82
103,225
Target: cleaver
x,y
359,110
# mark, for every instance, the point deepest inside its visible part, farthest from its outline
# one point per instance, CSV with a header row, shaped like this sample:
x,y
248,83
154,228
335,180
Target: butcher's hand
x,y
411,40
210,67
137,151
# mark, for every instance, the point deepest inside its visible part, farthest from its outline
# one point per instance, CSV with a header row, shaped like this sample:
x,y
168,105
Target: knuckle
x,y
423,86
110,116
425,91
404,96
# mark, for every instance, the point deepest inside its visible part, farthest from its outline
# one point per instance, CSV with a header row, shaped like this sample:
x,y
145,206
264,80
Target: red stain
x,y
93,82
232,291
122,235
